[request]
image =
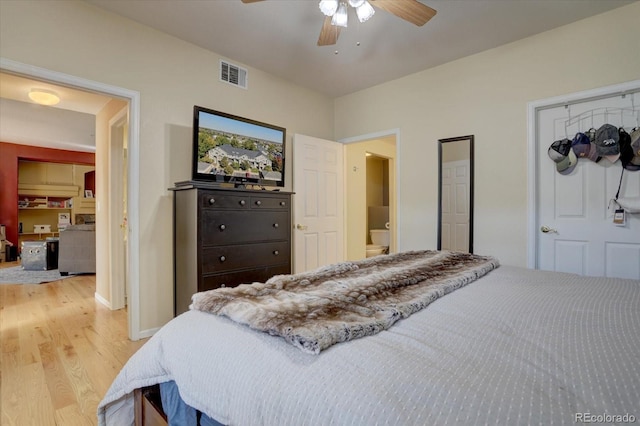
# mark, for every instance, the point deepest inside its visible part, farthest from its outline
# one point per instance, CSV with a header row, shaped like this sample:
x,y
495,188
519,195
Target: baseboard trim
x,y
102,300
148,333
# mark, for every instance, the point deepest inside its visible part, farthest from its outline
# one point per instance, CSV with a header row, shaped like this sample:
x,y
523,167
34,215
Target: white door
x,y
580,235
318,213
455,205
118,133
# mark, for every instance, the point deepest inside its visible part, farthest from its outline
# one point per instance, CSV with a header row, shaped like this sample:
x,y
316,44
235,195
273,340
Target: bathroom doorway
x,y
378,223
371,197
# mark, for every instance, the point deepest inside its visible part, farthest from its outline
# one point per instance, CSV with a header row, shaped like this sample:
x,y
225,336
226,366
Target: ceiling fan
x,y
336,11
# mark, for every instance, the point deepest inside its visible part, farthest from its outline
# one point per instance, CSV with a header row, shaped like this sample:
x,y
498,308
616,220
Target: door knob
x,y
548,230
301,227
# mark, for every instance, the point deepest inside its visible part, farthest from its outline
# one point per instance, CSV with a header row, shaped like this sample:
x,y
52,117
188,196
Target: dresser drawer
x,y
209,282
217,200
269,202
225,258
222,228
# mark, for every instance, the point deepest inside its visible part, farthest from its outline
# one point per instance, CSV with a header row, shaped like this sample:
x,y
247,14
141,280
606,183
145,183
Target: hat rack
x,y
625,114
632,112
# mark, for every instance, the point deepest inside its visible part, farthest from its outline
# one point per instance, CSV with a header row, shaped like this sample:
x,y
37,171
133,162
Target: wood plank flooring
x,y
60,351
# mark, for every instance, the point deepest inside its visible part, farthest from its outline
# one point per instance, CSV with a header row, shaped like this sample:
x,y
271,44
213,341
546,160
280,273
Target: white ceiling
x,y
68,125
280,36
17,88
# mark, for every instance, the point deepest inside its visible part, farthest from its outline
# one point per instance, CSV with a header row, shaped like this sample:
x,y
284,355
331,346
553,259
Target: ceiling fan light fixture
x,y
340,18
328,7
364,11
44,97
356,3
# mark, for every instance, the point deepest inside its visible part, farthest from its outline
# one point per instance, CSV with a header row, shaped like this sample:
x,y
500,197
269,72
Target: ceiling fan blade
x,y
250,1
329,33
410,10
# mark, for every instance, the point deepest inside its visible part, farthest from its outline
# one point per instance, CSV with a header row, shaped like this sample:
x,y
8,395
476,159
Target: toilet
x,y
380,240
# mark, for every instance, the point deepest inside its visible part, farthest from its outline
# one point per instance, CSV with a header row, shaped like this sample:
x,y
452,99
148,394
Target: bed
x,y
514,346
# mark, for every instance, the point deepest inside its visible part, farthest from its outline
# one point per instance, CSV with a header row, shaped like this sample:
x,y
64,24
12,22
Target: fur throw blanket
x,y
345,301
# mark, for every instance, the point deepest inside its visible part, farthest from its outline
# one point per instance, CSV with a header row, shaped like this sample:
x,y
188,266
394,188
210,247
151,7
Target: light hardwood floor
x,y
61,350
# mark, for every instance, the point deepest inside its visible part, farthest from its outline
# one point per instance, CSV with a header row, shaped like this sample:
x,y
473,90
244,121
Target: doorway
x,y
132,98
371,194
315,246
377,236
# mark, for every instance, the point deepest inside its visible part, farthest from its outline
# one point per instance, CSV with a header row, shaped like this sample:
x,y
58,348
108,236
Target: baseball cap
x,y
624,141
581,145
593,153
607,142
561,153
633,163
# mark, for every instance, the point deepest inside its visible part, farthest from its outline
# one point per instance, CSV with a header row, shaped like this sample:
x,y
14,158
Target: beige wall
x,y
172,76
486,95
375,181
356,194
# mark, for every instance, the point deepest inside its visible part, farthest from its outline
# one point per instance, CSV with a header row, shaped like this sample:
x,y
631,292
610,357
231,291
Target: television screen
x,y
228,148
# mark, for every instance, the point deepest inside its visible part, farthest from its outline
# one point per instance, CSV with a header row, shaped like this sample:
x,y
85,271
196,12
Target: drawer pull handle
x,y
222,258
242,202
222,227
282,203
223,285
276,252
211,201
275,225
258,203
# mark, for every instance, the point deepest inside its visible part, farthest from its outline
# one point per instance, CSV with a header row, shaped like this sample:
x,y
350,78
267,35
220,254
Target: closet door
x,y
575,225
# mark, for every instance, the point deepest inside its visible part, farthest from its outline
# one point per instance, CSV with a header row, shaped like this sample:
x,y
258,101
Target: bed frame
x,y
148,407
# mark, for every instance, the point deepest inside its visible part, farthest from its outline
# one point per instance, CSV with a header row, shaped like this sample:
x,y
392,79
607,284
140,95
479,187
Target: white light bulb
x,y
365,11
328,7
340,18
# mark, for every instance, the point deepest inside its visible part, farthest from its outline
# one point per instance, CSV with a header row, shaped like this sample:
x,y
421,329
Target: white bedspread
x,y
515,347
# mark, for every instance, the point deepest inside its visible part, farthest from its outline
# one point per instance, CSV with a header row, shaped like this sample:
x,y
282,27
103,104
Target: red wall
x,y
9,155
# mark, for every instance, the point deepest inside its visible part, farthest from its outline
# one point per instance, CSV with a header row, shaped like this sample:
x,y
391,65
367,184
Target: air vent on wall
x,y
233,74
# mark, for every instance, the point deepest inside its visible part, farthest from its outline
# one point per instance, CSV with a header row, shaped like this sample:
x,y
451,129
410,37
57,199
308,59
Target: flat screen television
x,y
228,148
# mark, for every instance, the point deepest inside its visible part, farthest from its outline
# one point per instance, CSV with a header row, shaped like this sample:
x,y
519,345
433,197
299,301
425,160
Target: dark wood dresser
x,y
226,237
